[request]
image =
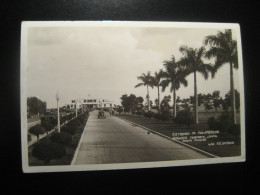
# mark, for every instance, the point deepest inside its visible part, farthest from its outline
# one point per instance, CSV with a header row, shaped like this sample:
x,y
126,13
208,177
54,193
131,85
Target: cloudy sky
x,y
104,62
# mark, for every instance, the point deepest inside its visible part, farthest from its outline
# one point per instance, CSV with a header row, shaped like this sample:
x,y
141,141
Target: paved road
x,y
31,124
33,137
113,140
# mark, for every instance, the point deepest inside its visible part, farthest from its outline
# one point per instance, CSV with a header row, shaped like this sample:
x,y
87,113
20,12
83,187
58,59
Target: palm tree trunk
x,y
159,99
148,98
174,102
196,98
232,93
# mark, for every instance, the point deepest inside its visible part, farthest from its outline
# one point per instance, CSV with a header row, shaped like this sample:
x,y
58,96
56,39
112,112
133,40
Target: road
x,y
113,140
31,124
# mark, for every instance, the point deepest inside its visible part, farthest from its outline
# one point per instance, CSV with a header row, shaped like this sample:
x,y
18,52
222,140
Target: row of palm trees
x,y
220,47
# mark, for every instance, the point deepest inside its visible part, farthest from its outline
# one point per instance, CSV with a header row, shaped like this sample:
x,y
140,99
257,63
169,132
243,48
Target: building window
x,y
104,105
95,100
85,100
110,105
73,101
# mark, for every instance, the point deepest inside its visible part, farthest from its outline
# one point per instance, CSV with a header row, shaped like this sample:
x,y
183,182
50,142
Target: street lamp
x,y
58,98
81,108
76,101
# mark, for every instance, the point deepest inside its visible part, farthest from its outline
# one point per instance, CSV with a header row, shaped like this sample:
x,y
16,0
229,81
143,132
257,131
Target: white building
x,y
90,103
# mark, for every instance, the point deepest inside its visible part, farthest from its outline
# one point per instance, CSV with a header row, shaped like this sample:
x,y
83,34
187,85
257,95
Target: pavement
x,y
113,140
31,124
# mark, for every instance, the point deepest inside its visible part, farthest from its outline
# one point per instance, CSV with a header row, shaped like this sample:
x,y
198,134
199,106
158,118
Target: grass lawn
x,y
220,144
70,149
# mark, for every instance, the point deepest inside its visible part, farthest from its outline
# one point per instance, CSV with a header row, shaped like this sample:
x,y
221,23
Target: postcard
x,y
108,95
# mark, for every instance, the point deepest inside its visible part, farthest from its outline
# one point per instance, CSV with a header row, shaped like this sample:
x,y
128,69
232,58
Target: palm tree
x,y
156,82
193,63
224,49
174,76
147,81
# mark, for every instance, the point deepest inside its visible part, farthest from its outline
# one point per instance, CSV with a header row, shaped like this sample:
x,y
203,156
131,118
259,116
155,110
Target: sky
x,y
104,62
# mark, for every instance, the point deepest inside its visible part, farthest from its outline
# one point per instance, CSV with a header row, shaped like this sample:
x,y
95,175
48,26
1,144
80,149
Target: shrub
x,y
81,118
184,117
37,130
120,110
164,116
74,123
139,113
48,151
224,123
61,138
66,118
68,130
225,120
53,121
47,126
213,124
156,116
148,114
62,120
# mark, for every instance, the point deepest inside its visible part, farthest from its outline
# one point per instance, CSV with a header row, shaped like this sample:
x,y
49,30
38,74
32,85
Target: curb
x,y
169,138
77,149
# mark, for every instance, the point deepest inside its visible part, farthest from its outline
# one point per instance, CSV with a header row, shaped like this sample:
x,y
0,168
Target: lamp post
x,y
76,107
58,110
81,108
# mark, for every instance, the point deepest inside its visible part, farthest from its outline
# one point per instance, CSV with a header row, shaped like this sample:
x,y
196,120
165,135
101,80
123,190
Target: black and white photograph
x,y
111,95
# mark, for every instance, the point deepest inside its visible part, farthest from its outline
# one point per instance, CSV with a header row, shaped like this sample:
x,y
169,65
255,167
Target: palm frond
x,y
218,64
139,84
204,73
204,69
184,82
165,84
142,78
184,50
200,52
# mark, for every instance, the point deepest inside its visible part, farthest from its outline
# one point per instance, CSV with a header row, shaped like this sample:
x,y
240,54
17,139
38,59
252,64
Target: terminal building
x,y
90,103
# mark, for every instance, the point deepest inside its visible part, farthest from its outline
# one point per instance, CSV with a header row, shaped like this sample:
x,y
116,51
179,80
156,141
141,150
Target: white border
x,y
24,146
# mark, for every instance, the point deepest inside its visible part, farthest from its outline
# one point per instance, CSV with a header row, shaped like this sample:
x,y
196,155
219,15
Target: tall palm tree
x,y
192,61
156,82
224,49
173,76
147,81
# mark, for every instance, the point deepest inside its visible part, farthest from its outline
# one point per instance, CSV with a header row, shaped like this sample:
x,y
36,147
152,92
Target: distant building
x,y
90,103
